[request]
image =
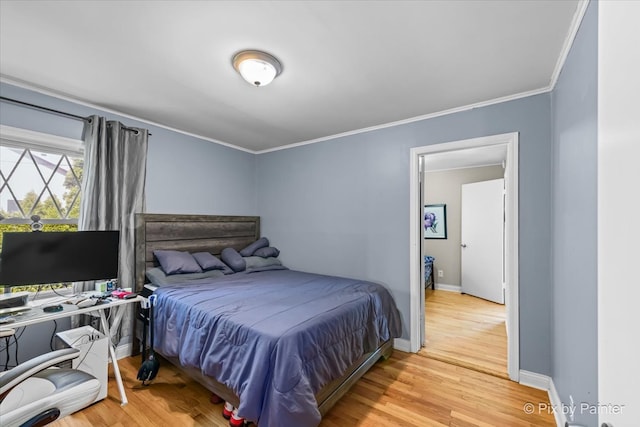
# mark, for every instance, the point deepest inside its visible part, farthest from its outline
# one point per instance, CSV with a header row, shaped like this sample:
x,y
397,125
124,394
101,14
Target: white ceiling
x,y
348,65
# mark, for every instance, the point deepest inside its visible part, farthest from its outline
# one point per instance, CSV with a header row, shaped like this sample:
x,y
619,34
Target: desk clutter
x,y
92,298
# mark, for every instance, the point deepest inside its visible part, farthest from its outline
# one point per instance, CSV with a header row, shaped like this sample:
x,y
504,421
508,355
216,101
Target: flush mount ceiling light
x,y
257,68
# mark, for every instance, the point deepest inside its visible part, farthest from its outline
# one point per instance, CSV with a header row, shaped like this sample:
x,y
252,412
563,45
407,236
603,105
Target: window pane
x,y
40,183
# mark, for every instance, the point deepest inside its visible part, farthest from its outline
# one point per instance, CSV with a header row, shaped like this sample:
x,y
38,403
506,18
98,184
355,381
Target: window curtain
x,y
113,181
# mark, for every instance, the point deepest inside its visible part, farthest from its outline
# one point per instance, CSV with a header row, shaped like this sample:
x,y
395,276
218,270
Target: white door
x,y
618,400
482,218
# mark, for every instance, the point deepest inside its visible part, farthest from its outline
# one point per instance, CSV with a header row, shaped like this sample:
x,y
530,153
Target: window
x,y
40,175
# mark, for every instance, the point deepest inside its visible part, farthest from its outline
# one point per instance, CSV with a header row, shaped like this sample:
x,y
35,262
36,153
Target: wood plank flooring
x,y
406,390
466,331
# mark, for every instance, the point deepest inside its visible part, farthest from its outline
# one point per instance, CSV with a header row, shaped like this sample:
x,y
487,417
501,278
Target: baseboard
x,y
450,288
554,398
544,382
402,345
123,350
535,380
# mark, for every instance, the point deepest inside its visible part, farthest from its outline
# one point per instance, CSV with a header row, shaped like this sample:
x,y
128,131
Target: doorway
x,y
476,147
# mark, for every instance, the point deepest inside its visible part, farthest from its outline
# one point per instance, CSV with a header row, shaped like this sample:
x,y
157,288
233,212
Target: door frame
x,y
511,240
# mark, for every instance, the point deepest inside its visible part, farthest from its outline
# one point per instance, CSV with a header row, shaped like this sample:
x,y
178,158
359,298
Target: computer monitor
x,y
30,258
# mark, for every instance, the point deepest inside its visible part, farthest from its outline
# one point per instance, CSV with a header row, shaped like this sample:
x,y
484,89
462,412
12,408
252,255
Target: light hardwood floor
x,y
406,390
466,331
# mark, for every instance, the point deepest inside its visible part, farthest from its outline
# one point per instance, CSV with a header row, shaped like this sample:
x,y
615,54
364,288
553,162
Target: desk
x,y
36,315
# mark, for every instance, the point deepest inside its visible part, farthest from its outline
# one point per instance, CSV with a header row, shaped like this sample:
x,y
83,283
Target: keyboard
x,y
11,310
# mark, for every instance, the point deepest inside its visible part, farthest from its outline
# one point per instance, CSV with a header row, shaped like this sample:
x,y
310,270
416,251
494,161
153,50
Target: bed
x,y
284,355
429,279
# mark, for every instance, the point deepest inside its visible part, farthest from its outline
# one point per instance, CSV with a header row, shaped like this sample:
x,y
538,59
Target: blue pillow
x,y
177,262
267,252
210,262
233,259
262,242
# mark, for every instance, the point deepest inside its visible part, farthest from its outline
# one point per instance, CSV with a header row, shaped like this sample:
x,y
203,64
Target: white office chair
x,y
35,393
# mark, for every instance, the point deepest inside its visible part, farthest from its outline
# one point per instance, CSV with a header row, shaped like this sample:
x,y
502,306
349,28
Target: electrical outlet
x,y
440,273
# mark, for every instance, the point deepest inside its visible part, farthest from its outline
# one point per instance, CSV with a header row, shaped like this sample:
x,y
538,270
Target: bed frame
x,y
212,233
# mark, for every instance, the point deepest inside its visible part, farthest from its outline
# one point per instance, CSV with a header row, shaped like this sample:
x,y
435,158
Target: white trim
x,y
415,279
545,382
554,399
568,41
48,92
413,119
40,141
16,82
402,345
448,288
512,257
465,167
535,380
124,350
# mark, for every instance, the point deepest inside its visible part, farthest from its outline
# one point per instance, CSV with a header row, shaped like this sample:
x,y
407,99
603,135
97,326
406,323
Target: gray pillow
x,y
265,268
262,242
233,259
259,262
158,278
209,261
267,252
174,262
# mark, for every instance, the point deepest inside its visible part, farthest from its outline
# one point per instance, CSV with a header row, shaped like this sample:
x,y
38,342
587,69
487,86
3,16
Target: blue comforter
x,y
274,337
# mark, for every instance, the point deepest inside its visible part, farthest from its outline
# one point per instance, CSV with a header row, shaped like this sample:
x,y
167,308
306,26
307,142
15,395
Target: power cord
x,y
15,340
53,334
6,347
16,337
92,339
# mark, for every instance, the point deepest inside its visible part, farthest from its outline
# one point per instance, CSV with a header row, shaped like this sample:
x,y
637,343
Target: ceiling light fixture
x,y
257,68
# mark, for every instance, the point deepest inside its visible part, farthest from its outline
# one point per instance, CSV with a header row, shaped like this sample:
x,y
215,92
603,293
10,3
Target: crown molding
x,y
568,41
59,95
414,119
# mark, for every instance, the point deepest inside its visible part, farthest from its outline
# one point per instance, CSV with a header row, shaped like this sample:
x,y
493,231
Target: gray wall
x,y
574,124
342,206
445,187
184,175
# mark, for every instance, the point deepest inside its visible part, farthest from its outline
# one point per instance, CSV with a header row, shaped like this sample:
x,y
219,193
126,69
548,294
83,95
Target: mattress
x,y
274,337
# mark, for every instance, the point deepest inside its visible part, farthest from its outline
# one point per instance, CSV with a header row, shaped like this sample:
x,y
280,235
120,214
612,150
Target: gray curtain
x,y
115,159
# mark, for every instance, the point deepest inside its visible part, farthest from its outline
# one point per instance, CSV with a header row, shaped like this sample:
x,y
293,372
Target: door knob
x,y
463,245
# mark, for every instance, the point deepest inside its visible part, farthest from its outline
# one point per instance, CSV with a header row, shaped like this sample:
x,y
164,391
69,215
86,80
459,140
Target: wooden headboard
x,y
192,233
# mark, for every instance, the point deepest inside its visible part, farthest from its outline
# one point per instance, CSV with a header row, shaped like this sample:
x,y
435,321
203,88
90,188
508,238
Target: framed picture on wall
x,y
435,221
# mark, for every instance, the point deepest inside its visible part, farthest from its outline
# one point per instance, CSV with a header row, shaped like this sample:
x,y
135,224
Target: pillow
x,y
262,242
174,262
158,278
233,259
210,262
267,252
265,268
259,262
